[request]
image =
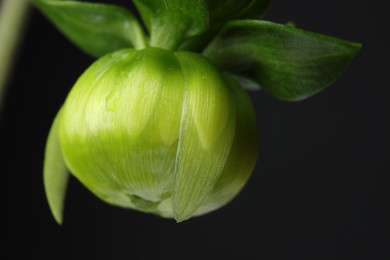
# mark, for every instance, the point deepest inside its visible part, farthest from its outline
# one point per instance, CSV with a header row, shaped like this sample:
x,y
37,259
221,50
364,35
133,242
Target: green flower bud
x,y
158,131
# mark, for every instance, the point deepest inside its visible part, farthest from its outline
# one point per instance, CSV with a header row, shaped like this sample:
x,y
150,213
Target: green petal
x,y
170,109
209,109
55,173
111,130
242,157
206,134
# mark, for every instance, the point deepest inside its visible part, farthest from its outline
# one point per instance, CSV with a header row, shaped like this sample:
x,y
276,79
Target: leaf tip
x,y
58,217
356,47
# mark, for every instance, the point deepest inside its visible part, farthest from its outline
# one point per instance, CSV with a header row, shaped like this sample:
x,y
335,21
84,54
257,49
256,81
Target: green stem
x,y
140,41
12,17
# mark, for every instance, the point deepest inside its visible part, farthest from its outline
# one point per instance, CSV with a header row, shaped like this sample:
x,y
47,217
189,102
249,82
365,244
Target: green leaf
x,y
222,11
55,173
289,63
171,22
96,28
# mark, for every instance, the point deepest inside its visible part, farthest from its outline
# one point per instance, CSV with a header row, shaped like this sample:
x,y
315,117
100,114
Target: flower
x,y
159,131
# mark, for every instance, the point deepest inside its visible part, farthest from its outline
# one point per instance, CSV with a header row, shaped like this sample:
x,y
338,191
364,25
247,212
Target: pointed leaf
x,y
289,63
206,134
55,173
172,22
96,28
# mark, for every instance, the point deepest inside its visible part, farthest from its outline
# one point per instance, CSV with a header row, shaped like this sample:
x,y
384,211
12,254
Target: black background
x,y
319,190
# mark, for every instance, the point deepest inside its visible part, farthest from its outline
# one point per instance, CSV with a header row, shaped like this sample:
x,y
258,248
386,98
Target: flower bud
x,y
159,131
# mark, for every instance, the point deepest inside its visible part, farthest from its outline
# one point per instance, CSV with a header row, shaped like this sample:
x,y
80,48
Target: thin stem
x,y
12,17
140,40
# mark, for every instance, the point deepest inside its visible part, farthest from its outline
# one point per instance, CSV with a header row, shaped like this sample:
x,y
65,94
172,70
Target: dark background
x,y
319,190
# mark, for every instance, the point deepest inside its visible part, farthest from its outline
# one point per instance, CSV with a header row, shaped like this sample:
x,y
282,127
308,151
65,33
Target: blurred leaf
x,y
289,63
96,28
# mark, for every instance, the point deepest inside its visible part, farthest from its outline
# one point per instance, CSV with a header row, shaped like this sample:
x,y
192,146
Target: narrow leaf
x,y
55,173
96,28
289,63
172,22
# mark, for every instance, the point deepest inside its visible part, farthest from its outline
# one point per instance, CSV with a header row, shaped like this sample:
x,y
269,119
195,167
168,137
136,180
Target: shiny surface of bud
x,y
159,131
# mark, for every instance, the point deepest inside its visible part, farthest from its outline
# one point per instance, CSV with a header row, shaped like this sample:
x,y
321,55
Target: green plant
x,y
161,123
